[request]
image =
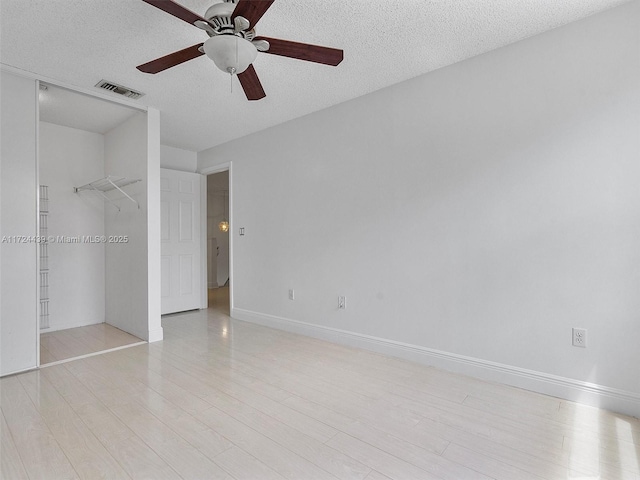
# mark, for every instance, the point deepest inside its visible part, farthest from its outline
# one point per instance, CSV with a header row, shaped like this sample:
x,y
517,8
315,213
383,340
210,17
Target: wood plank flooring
x,y
223,399
75,342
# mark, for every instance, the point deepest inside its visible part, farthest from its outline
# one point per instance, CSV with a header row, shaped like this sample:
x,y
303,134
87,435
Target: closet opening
x,y
91,169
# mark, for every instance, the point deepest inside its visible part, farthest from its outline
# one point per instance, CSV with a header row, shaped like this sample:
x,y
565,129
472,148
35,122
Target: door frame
x,y
223,167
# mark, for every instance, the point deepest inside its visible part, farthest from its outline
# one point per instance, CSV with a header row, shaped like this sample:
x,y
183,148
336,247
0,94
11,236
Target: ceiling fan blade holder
x,y
251,84
261,45
303,51
241,24
252,10
171,60
202,25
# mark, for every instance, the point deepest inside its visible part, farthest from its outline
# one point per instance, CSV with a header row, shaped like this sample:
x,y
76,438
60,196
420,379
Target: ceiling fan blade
x,y
252,10
304,51
171,60
251,84
177,10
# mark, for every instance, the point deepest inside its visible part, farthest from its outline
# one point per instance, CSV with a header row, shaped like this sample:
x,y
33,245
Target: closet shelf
x,y
107,184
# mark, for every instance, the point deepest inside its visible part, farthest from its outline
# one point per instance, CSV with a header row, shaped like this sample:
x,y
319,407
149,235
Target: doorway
x,y
218,239
90,190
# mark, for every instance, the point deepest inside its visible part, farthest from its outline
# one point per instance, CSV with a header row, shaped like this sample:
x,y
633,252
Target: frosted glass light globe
x,y
230,53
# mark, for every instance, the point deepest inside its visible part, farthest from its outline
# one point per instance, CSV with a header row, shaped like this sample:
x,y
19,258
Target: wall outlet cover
x,y
579,337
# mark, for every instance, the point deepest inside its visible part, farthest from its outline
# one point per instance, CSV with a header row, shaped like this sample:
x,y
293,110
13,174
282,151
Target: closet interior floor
x,y
79,341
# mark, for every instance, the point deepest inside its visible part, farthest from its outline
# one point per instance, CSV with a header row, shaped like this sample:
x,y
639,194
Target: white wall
x,y
70,158
178,159
132,303
471,216
217,207
18,215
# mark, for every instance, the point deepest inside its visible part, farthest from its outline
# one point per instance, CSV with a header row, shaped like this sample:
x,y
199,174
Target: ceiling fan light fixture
x,y
231,53
233,45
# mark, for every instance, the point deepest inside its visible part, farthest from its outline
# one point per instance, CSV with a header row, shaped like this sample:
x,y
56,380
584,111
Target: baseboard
x,y
66,326
156,335
621,401
18,372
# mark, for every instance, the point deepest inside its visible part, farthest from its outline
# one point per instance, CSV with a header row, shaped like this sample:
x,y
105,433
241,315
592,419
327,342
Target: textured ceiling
x,y
80,42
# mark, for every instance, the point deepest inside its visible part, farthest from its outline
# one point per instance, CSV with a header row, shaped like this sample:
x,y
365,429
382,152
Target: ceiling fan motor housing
x,y
219,17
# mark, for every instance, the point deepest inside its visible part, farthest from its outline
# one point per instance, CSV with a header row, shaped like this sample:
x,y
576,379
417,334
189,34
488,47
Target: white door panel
x,y
180,237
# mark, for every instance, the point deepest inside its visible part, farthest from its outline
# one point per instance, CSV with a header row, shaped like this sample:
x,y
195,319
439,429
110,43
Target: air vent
x,y
119,89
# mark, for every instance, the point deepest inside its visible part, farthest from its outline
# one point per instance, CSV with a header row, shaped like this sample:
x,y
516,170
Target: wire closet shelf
x,y
107,184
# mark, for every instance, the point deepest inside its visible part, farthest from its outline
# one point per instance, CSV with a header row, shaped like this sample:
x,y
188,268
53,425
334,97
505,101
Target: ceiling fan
x,y
233,44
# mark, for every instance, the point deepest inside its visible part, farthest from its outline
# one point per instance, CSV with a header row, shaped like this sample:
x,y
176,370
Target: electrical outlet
x,y
292,295
579,337
342,303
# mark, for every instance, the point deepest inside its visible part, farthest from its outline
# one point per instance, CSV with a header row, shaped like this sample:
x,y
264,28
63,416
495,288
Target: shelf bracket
x,y
123,192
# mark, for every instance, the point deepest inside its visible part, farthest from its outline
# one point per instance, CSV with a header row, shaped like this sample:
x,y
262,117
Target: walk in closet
x,y
84,199
91,189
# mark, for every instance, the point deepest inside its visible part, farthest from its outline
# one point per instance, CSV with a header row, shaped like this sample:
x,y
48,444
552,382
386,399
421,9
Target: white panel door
x,y
180,238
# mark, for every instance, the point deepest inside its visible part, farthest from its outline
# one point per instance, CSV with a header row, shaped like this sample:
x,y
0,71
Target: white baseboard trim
x,y
17,372
65,326
156,335
621,401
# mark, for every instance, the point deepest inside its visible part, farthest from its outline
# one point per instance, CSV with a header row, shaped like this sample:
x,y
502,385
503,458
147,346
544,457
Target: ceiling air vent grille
x,y
119,89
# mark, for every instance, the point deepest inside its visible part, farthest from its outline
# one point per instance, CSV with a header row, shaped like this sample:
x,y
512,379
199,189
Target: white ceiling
x,y
80,42
75,110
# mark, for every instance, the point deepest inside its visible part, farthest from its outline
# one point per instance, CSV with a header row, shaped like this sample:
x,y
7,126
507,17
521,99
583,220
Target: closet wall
x,y
69,158
130,301
18,217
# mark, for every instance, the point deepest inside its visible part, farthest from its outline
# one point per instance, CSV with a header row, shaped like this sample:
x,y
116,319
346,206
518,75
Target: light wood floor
x,y
220,398
75,342
219,299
